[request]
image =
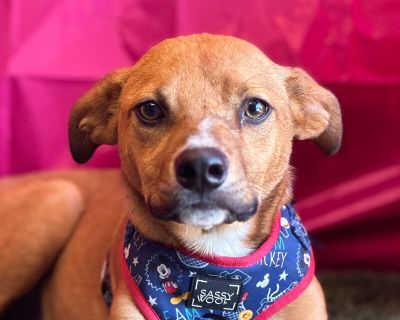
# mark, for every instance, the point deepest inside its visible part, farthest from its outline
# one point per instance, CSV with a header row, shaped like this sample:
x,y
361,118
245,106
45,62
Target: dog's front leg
x,y
123,308
309,305
37,217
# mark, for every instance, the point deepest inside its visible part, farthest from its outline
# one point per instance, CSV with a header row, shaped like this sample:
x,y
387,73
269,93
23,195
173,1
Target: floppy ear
x,y
93,119
316,111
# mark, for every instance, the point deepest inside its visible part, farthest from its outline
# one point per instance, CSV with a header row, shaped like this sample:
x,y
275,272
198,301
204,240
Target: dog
x,y
204,126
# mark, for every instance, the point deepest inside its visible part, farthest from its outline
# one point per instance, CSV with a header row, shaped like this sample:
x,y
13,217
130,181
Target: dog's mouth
x,y
205,213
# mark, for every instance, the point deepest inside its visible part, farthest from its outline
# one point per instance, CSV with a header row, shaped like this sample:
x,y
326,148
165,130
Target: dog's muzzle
x,y
202,200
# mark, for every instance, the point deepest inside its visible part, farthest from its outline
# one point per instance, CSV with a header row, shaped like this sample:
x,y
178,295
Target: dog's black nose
x,y
201,169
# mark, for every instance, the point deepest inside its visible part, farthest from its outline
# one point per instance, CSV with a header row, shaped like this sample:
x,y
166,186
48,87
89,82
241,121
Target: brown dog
x,y
204,126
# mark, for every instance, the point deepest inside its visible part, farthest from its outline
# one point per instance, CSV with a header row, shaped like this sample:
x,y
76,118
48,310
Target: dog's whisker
x,y
258,188
244,85
256,183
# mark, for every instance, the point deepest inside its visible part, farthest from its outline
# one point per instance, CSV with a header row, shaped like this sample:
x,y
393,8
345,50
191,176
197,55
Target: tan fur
x,y
37,219
199,79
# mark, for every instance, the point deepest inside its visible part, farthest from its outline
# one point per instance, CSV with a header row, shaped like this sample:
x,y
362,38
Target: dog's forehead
x,y
199,49
195,67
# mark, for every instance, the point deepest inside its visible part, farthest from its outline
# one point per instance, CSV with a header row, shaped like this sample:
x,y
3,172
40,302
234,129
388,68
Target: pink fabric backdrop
x,y
52,51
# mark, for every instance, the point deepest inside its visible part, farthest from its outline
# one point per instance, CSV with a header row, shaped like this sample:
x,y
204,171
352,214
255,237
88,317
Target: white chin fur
x,y
205,219
205,232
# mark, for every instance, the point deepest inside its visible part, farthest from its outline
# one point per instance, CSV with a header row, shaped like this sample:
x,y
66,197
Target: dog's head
x,y
204,126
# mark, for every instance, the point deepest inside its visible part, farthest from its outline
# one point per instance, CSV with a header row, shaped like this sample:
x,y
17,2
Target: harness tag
x,y
214,293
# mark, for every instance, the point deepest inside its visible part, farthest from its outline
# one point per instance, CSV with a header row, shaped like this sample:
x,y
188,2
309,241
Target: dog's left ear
x,y
316,111
93,119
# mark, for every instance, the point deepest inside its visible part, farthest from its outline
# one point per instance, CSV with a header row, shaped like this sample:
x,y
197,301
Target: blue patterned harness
x,y
161,278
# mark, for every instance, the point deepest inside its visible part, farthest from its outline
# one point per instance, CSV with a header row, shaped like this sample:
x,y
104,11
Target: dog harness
x,y
173,283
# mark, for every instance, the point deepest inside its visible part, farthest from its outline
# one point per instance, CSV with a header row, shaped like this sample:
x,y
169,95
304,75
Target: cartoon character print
x,y
307,259
263,283
274,295
179,298
285,227
163,273
239,314
245,315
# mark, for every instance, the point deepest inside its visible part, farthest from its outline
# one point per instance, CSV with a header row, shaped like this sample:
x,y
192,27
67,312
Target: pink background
x,y
52,51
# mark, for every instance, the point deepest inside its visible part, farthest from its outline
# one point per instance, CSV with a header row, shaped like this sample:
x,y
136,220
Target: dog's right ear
x,y
316,111
93,119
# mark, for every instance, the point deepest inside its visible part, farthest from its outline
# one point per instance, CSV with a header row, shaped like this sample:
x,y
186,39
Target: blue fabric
x,y
164,275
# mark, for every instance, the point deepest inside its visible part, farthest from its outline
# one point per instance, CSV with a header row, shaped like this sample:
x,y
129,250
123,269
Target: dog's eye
x,y
150,112
256,109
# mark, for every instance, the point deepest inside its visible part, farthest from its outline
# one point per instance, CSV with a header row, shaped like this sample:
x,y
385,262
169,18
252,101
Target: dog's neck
x,y
229,240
